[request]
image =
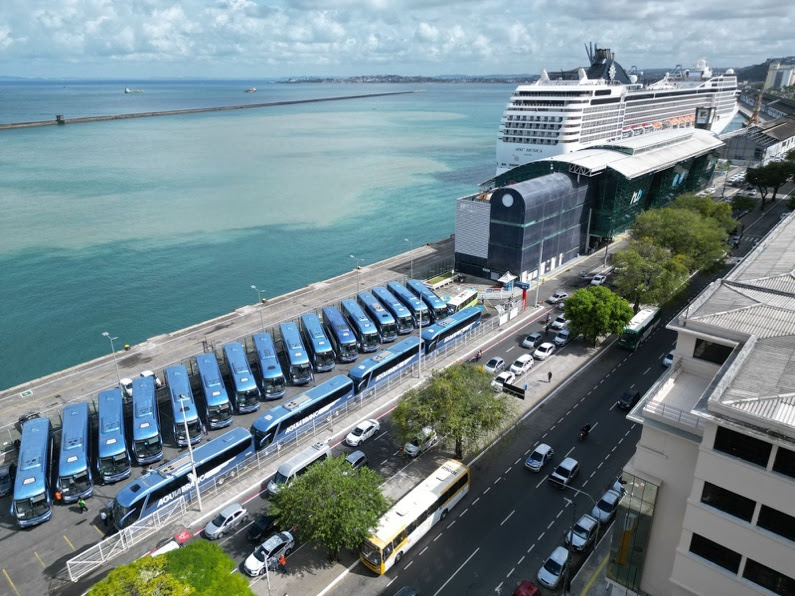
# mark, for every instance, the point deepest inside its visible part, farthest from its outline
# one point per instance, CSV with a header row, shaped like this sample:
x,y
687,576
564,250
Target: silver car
x,y
227,520
605,509
582,534
268,552
554,568
363,431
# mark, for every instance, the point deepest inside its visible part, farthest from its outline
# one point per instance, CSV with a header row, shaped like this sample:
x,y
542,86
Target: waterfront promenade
x,y
60,119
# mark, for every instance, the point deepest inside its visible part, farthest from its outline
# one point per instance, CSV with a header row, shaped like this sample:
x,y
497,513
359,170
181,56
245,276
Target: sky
x,y
282,38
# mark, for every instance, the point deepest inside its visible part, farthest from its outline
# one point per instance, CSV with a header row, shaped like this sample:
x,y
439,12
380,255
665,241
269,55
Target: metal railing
x,y
117,544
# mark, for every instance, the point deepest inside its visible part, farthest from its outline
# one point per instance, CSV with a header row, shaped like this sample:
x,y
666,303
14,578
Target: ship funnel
x,y
687,73
633,78
602,54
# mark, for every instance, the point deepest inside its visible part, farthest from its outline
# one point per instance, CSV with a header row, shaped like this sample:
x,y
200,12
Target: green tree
x,y
596,312
646,273
708,208
773,175
332,504
144,577
697,241
458,403
207,569
742,203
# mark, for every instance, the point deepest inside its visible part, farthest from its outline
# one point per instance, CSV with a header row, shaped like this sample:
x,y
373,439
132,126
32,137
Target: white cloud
x,y
89,38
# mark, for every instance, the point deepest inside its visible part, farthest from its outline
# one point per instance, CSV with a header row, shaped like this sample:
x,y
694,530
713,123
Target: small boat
x,y
128,90
251,90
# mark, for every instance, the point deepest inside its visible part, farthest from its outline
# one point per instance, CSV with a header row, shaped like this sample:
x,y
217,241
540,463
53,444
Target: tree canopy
x,y
646,273
332,504
458,403
741,202
707,207
200,568
595,312
770,176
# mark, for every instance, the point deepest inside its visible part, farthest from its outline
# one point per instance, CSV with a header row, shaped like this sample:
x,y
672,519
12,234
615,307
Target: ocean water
x,y
141,227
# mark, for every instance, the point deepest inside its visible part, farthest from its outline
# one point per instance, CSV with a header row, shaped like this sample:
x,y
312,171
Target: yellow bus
x,y
460,301
414,515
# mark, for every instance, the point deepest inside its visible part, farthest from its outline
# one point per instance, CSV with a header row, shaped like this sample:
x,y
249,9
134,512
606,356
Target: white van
x,y
297,465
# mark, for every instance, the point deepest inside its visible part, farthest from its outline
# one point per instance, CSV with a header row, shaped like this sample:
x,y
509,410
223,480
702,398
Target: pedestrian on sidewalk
x,y
549,377
82,504
103,515
282,563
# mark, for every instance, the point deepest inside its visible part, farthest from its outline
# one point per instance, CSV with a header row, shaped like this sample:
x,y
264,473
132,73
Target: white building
x,y
711,503
780,75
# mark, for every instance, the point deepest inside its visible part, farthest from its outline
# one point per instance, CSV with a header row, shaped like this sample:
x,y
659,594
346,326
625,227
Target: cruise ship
x,y
581,108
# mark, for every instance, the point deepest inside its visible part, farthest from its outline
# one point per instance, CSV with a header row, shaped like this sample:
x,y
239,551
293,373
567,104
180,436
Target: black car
x,y
263,526
628,399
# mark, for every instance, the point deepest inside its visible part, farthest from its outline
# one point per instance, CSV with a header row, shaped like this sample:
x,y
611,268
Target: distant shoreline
x,y
59,120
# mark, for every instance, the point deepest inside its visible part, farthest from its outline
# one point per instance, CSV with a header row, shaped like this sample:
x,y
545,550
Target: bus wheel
x,y
398,557
444,514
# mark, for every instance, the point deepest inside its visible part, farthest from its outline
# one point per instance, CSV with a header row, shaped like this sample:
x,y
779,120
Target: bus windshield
x,y
75,483
273,385
371,552
114,464
219,413
148,447
32,507
300,371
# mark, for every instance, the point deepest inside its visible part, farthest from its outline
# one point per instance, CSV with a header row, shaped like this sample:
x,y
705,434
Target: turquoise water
x,y
145,226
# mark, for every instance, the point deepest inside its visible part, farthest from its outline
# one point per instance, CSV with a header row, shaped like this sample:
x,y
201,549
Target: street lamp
x,y
192,461
358,268
113,351
573,522
411,251
261,301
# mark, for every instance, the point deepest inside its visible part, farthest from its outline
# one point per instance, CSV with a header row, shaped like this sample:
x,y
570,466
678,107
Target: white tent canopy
x,y
507,277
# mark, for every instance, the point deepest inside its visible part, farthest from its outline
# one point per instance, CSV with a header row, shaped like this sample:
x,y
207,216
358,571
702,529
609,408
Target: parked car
x,y
426,439
566,471
598,280
526,588
560,322
554,568
505,376
628,399
494,365
563,337
543,351
6,481
605,509
268,552
149,373
557,297
406,591
532,340
582,534
262,526
227,520
362,431
522,364
356,459
126,387
711,190
541,455
669,359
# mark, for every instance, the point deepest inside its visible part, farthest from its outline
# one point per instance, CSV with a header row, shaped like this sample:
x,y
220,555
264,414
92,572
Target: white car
x,y
149,373
426,439
363,431
557,297
543,351
669,359
711,190
126,386
269,552
502,378
522,364
541,455
605,509
494,365
598,280
554,568
560,322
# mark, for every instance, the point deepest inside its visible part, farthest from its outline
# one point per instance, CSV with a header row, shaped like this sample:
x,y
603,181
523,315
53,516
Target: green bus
x,y
640,327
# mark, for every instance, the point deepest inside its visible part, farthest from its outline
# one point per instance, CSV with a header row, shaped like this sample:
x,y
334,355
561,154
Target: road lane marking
x,y
450,525
72,546
596,573
620,440
592,474
584,484
572,449
475,502
518,460
552,523
544,436
438,536
339,578
511,348
39,558
559,514
647,370
379,436
383,462
463,512
408,565
391,580
100,532
540,482
509,467
613,406
423,550
552,427
498,479
614,448
498,588
487,490
13,587
574,406
510,572
454,574
541,535
509,516
519,562
561,419
532,546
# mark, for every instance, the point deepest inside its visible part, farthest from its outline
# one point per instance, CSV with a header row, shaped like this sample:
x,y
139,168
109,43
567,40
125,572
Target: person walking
x,y
82,504
282,563
103,515
549,377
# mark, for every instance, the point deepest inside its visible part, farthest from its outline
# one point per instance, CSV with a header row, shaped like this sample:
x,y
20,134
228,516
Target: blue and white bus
x,y
271,376
247,395
217,408
418,309
452,328
317,344
340,334
299,367
403,318
286,420
437,306
74,465
363,328
183,408
147,444
386,364
32,503
215,460
113,458
383,320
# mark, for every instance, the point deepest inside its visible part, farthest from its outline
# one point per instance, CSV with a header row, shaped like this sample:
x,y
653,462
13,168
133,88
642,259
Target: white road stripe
x,y
456,572
509,516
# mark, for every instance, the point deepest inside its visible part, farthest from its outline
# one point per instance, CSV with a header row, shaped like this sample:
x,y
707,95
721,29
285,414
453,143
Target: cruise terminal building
x,y
540,215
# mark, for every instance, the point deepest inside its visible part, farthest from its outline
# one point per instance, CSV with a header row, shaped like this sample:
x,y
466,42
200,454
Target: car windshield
x,y
552,566
518,364
580,531
259,553
562,472
536,456
358,431
492,363
219,520
605,506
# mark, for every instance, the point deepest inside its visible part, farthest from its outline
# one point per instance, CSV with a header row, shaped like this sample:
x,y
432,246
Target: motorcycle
x,y
584,431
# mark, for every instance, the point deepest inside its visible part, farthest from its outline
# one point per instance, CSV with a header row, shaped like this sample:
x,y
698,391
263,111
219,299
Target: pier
x,y
60,119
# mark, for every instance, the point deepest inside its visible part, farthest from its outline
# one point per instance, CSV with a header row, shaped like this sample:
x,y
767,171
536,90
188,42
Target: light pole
x,y
192,462
358,268
261,301
411,251
570,539
113,351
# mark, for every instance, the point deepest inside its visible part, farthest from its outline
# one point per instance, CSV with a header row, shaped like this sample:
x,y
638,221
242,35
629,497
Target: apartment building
x,y
711,487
